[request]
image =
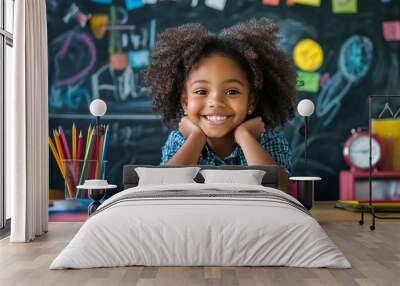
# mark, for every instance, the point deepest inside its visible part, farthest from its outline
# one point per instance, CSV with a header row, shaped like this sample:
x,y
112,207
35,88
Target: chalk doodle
x,y
71,97
74,12
292,31
75,58
77,48
354,63
120,80
324,80
356,57
297,146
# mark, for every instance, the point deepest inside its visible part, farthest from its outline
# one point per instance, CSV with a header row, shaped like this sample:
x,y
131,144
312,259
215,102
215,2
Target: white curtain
x,y
27,124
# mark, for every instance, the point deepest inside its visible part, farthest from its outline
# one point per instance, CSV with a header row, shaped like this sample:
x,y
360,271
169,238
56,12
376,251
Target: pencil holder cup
x,y
77,171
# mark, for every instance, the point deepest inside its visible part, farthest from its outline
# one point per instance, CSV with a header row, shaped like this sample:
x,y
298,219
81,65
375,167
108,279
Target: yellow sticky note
x,y
98,24
315,3
345,6
309,80
308,55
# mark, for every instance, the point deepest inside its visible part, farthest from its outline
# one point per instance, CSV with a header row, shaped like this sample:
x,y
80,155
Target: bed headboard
x,y
274,177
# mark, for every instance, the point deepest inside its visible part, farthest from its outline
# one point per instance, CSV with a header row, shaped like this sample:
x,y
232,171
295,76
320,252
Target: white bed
x,y
252,225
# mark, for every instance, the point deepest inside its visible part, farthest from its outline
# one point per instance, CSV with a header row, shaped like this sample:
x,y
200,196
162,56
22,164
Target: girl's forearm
x,y
190,151
255,154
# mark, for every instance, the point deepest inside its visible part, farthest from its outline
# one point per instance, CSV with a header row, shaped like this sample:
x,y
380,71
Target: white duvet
x,y
183,231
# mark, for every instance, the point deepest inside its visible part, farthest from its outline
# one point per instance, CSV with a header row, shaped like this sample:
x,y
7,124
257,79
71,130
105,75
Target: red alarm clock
x,y
356,150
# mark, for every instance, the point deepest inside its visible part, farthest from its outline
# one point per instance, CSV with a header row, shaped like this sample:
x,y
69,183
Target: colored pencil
x,y
104,151
93,156
74,162
64,143
105,143
67,155
98,160
55,154
85,163
79,155
59,148
88,136
73,141
61,154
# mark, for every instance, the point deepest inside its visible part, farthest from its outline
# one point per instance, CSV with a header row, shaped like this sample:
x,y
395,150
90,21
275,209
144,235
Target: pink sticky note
x,y
391,30
289,2
271,2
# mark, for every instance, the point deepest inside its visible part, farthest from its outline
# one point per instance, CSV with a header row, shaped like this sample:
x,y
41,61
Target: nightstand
x,y
97,190
305,190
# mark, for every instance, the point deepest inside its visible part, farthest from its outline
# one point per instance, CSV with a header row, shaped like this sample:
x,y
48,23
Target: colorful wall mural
x,y
344,50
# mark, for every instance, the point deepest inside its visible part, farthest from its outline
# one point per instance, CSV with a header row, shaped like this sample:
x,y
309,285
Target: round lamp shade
x,y
305,107
98,107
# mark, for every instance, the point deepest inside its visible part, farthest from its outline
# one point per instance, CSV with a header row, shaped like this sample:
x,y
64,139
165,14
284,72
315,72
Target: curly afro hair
x,y
252,45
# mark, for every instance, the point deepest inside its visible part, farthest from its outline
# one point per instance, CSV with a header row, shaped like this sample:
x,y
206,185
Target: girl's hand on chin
x,y
254,126
187,128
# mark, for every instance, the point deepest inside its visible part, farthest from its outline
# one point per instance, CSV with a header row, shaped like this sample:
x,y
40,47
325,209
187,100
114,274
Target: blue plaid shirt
x,y
273,141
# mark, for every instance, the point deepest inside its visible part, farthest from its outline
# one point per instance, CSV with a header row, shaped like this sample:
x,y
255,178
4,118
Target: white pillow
x,y
164,176
249,177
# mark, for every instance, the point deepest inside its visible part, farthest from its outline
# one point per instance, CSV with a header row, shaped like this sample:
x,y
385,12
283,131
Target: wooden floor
x,y
374,255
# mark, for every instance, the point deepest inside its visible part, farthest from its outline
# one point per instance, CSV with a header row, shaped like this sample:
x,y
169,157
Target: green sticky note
x,y
308,81
345,6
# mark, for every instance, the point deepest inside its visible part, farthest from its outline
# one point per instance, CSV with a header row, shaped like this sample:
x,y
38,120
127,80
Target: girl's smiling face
x,y
216,95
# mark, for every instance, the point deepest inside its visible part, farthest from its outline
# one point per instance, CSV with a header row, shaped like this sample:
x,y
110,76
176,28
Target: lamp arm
x,y
306,121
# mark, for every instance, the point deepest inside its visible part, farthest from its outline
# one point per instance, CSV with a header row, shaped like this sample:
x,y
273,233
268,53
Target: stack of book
x,y
380,205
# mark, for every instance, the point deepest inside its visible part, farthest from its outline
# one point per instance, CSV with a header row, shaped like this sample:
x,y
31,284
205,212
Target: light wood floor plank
x,y
374,255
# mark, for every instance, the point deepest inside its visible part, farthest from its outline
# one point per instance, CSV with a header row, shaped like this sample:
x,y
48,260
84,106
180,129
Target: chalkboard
x,y
99,48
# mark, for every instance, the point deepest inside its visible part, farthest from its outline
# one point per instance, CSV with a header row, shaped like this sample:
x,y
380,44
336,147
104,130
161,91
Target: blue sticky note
x,y
102,1
133,4
138,59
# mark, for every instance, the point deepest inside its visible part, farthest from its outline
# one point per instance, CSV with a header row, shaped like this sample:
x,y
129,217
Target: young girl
x,y
228,91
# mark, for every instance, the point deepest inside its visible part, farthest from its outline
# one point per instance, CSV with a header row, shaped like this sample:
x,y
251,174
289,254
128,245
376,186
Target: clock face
x,y
359,152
